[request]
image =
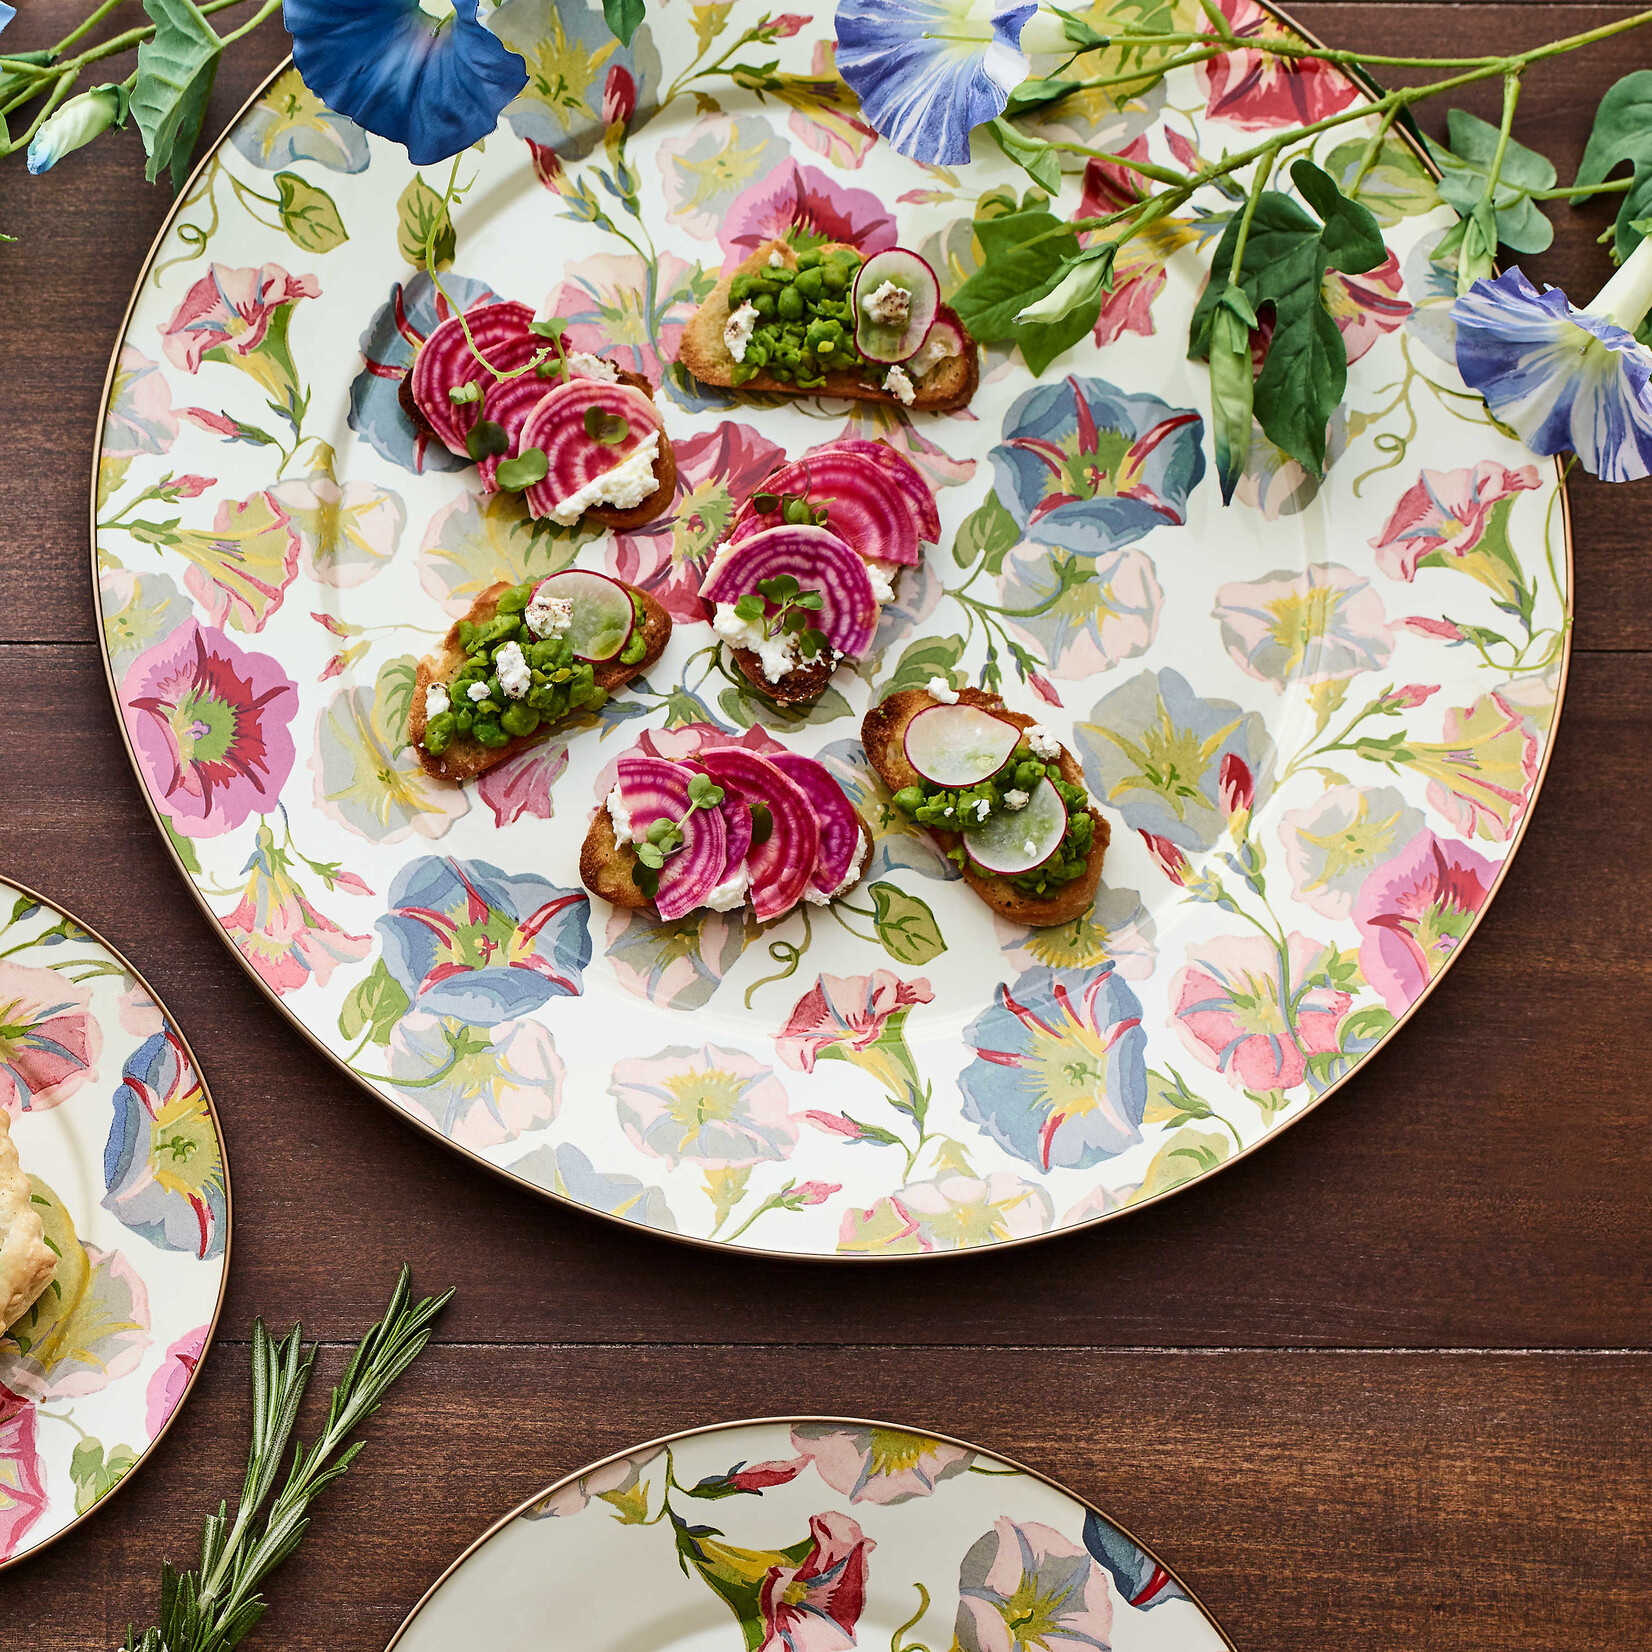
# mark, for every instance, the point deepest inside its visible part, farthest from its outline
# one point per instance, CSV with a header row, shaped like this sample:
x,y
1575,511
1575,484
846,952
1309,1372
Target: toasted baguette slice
x,y
464,758
665,469
606,866
883,733
26,1260
801,686
948,385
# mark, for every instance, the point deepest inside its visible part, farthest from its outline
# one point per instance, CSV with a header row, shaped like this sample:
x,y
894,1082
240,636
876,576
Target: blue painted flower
x,y
469,941
388,346
1141,1580
926,71
1563,377
162,1165
433,85
1089,467
1155,751
289,124
566,1170
1060,1070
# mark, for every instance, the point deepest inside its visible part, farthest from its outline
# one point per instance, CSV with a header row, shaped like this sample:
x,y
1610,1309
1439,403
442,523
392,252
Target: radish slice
x,y
446,362
865,506
780,866
946,338
958,745
1012,841
508,402
603,617
915,489
896,297
653,789
818,561
574,458
839,824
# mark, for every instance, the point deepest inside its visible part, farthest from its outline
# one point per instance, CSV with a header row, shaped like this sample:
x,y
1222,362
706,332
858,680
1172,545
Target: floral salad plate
x,y
114,1126
1317,720
810,1535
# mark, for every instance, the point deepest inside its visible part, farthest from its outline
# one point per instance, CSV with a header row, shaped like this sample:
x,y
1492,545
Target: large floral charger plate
x,y
114,1126
809,1535
1317,720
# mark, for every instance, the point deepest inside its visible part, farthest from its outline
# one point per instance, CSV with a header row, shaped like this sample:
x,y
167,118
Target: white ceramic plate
x,y
1316,720
811,1534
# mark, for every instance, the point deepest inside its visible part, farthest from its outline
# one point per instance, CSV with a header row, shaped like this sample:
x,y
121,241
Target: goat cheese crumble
x,y
1043,743
512,670
620,816
775,260
627,484
889,306
478,692
938,347
731,892
1015,798
778,654
943,691
882,575
547,616
899,386
435,701
583,365
737,334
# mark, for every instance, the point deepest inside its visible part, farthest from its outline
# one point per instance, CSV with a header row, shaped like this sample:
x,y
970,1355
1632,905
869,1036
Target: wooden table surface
x,y
1382,1385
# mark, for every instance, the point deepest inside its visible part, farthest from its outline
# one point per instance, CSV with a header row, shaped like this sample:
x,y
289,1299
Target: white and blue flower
x,y
1562,377
433,85
927,71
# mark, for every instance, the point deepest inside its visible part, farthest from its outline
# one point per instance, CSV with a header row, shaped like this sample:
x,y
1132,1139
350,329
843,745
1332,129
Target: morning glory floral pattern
x,y
1315,722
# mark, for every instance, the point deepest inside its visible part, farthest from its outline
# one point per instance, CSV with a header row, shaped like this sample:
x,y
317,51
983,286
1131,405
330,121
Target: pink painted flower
x,y
952,1212
1139,274
241,566
1238,1012
716,470
1024,1587
1364,307
1171,857
1425,626
1443,515
1257,91
618,306
837,1124
23,1495
714,1107
521,785
1332,844
802,202
1044,689
1236,784
139,1014
140,417
1321,625
189,486
220,424
279,933
230,310
1482,770
169,1383
1414,911
49,1039
787,24
814,1604
1409,697
761,1476
859,1019
878,1465
209,727
619,96
611,1482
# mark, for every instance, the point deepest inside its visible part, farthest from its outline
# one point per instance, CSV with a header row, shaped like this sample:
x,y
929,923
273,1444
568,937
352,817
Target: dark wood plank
x,y
1408,1503
84,228
1483,1182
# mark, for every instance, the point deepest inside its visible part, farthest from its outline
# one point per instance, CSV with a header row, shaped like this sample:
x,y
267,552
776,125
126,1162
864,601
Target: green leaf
x,y
1398,186
607,428
1232,386
927,657
1521,224
624,18
1033,155
487,440
523,471
182,846
422,220
987,535
1623,133
1038,94
176,67
308,215
906,926
1306,371
374,1004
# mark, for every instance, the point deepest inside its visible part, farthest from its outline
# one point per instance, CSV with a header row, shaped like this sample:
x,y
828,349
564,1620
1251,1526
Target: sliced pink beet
x,y
447,362
653,789
782,865
865,506
914,486
508,403
839,824
574,457
819,561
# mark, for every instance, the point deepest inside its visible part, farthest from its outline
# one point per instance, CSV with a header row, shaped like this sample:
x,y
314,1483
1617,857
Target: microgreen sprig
x,y
792,607
792,507
665,836
214,1608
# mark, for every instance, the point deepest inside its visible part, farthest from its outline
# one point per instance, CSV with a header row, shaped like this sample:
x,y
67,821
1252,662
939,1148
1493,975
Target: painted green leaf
x,y
378,1002
988,534
397,682
308,215
1521,224
176,67
906,926
927,657
1187,1155
1306,371
1398,186
96,1475
1623,133
1169,1101
735,1576
422,221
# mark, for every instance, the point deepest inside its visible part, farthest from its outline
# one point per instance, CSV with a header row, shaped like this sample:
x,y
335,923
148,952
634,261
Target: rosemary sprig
x,y
214,1608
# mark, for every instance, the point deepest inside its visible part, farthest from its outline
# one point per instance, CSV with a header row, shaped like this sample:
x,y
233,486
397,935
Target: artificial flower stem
x,y
1258,184
1627,297
1511,97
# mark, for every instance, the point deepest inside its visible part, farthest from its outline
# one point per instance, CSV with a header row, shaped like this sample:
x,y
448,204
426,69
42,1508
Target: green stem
x,y
1568,192
1373,148
1511,97
1258,184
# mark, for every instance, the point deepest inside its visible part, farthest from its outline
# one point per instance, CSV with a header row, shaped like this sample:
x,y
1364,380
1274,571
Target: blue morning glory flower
x,y
7,13
1561,377
434,85
926,71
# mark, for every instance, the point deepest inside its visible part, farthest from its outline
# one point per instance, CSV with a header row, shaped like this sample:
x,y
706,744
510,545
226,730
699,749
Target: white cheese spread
x,y
889,306
731,892
435,701
548,616
737,334
942,690
626,485
1043,743
882,575
582,365
778,654
1015,798
938,347
899,386
512,670
478,692
620,816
